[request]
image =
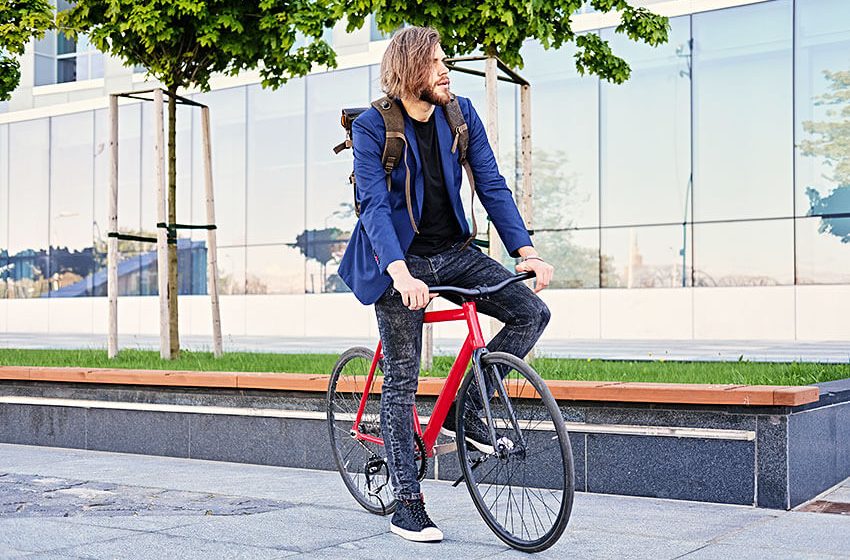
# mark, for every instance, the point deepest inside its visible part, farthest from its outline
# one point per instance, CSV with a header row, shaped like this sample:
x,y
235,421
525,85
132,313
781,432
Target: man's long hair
x,y
407,63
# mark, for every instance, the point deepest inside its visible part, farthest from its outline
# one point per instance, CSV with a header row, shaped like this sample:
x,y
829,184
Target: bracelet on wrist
x,y
532,258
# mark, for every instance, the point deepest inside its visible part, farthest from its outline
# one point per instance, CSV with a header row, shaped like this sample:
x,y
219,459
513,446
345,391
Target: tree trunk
x,y
173,326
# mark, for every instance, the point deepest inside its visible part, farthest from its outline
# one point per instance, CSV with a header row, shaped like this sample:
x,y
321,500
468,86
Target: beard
x,y
431,96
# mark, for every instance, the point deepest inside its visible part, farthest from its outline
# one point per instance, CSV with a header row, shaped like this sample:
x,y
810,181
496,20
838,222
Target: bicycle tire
x,y
538,500
351,456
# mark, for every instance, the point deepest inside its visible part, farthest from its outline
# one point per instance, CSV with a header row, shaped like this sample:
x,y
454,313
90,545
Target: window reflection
x,y
758,253
574,254
72,258
329,201
645,131
276,163
823,250
4,209
275,269
742,103
822,106
565,149
29,175
231,270
227,124
646,257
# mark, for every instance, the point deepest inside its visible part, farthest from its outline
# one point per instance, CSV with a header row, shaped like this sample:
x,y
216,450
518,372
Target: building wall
x,y
698,200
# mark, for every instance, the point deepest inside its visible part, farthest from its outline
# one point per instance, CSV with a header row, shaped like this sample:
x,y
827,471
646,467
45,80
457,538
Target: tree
x,y
323,246
183,43
20,21
500,28
830,140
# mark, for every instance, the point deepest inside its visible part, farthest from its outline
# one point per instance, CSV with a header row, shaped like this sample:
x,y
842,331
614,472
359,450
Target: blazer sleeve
x,y
375,209
491,186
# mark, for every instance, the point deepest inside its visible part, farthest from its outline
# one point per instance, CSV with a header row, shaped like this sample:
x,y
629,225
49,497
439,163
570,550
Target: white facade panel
x,y
823,312
647,313
744,313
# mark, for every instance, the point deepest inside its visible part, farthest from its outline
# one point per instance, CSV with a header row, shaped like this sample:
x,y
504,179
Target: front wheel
x,y
524,488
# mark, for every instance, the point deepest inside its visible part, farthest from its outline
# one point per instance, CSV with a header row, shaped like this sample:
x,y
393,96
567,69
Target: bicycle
x,y
523,489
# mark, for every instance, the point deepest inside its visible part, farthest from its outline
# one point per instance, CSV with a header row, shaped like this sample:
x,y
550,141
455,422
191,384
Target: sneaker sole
x,y
431,534
482,447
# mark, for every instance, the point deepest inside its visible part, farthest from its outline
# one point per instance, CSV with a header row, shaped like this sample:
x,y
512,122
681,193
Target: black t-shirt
x,y
438,226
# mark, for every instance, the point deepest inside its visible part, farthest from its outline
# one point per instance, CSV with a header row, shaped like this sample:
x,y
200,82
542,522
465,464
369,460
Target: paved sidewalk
x,y
685,350
62,503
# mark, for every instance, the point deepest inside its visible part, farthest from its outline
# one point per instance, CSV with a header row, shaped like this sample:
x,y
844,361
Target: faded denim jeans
x,y
523,313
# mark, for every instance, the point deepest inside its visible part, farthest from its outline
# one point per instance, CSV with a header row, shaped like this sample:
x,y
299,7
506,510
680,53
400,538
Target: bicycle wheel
x,y
524,489
362,464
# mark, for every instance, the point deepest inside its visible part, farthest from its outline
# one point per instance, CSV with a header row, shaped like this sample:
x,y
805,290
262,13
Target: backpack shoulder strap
x,y
395,148
459,129
461,142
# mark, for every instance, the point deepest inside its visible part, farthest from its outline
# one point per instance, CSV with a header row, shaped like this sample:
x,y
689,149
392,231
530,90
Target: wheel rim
x,y
362,464
524,490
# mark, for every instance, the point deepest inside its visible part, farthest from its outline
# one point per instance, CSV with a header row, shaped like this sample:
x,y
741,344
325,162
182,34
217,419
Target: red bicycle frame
x,y
474,341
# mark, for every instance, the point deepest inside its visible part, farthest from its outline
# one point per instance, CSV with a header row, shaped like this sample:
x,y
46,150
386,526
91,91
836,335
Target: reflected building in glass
x,y
708,197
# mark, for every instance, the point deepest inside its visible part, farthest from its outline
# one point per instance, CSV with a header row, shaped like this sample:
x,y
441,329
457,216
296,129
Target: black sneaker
x,y
475,430
410,521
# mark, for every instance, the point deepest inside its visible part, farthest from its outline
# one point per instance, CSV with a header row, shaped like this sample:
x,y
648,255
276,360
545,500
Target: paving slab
x,y
309,514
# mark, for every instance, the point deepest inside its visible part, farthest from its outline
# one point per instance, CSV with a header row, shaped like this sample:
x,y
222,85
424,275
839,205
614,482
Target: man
x,y
391,264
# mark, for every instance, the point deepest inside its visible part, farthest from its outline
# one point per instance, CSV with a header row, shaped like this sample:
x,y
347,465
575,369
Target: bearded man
x,y
395,253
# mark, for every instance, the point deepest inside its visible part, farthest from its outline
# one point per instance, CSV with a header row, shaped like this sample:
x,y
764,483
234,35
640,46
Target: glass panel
x,y
4,209
823,250
29,177
45,70
742,104
46,45
231,270
566,148
329,201
823,106
275,269
645,128
66,70
375,91
227,123
72,259
759,253
574,254
276,163
65,44
646,257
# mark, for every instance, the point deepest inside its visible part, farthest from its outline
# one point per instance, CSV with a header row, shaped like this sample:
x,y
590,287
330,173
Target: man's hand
x,y
533,263
414,292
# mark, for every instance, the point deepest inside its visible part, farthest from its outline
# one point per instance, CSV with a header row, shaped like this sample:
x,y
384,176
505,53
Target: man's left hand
x,y
541,269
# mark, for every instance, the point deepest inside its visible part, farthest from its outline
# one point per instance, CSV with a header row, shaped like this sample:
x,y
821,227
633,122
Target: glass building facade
x,y
722,162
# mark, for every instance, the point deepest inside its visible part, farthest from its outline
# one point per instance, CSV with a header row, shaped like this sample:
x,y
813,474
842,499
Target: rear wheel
x,y
362,464
524,488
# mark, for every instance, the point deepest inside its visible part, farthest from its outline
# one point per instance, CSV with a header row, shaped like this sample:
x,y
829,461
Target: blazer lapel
x,y
415,167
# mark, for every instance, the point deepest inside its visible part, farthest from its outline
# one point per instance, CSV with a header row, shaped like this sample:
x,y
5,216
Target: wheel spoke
x,y
507,492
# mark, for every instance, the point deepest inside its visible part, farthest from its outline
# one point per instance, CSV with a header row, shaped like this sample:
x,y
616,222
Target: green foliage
x,y
499,27
830,138
20,21
183,43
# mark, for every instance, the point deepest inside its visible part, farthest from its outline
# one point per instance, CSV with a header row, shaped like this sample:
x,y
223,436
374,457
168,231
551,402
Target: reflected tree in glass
x,y
555,191
830,140
324,246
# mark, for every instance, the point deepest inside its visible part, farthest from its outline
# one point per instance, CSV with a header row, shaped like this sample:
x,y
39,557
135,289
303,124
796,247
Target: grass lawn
x,y
743,373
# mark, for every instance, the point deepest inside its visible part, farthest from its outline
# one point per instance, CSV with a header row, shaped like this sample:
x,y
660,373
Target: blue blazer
x,y
383,232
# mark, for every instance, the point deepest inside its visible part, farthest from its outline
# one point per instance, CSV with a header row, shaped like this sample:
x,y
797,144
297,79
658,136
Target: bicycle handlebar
x,y
481,290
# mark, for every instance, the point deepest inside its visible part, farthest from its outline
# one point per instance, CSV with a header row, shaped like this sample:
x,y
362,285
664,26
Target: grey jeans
x,y
523,313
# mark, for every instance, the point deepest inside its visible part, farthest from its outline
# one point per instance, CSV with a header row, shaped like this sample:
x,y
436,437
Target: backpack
x,y
395,149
